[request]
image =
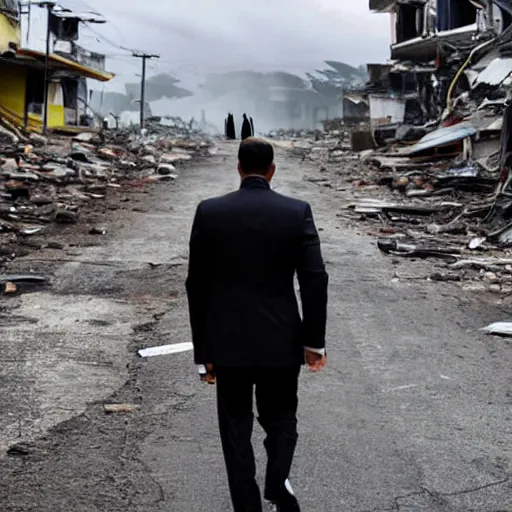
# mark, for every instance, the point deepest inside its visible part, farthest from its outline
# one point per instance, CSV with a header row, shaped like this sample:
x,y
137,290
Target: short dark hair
x,y
255,156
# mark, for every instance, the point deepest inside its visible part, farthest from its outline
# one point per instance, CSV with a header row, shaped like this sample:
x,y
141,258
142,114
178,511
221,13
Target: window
x,y
410,21
453,14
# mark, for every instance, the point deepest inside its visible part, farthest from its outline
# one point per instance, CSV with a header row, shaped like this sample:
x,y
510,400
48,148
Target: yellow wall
x,y
12,91
13,80
55,116
9,32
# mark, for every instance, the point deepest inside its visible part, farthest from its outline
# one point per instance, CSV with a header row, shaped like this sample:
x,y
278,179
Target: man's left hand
x,y
315,362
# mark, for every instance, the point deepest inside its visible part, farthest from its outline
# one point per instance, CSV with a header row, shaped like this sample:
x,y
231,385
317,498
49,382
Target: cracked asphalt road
x,y
412,414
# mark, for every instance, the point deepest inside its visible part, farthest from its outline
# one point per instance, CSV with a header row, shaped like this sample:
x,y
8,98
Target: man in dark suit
x,y
245,250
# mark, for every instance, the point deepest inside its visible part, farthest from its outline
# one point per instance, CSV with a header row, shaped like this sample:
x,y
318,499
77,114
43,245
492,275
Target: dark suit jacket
x,y
245,249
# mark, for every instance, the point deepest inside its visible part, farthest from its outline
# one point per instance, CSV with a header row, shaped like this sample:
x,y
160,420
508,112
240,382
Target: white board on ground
x,y
500,328
164,350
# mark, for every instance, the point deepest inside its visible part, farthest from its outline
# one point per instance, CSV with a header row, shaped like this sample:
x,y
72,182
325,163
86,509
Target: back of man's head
x,y
256,156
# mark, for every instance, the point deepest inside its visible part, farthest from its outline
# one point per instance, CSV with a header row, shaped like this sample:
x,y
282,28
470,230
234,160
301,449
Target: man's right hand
x,y
315,362
209,376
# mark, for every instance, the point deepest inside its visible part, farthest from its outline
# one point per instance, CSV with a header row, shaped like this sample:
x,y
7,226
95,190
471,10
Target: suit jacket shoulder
x,y
292,202
219,203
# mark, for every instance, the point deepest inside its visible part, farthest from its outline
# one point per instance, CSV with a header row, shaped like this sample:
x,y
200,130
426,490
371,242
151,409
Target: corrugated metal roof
x,y
495,73
59,63
444,136
81,16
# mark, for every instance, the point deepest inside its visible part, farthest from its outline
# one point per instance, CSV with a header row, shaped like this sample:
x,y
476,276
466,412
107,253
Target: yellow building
x,y
22,91
22,82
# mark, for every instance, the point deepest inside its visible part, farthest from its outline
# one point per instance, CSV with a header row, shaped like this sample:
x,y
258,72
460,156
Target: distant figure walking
x,y
229,126
246,128
252,127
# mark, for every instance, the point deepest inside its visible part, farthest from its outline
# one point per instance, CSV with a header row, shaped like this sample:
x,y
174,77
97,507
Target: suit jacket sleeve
x,y
313,281
197,285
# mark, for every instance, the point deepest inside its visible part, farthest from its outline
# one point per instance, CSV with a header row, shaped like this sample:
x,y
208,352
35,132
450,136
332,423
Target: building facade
x,y
22,82
419,26
430,41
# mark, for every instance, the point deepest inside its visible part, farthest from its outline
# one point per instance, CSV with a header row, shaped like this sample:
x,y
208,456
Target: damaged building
x,y
438,49
441,119
22,73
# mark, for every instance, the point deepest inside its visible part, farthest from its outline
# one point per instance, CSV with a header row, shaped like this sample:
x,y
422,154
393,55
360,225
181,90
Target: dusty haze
x,y
198,37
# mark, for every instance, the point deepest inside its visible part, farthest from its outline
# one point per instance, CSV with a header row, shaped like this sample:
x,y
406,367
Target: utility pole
x,y
26,10
49,6
144,57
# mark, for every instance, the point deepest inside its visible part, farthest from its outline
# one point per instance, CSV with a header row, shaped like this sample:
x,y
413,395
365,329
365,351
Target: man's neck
x,y
245,176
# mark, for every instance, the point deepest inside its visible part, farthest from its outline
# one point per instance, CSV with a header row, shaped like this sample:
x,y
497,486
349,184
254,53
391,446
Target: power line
x,y
105,39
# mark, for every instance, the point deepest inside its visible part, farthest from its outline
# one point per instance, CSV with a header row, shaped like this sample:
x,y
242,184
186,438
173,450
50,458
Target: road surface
x,y
412,414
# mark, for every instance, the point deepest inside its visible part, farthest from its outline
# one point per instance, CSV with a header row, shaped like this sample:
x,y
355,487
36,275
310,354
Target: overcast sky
x,y
199,36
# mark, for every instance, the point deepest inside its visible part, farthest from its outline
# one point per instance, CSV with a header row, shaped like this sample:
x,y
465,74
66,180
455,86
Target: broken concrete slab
x,y
120,408
85,137
65,217
171,158
165,169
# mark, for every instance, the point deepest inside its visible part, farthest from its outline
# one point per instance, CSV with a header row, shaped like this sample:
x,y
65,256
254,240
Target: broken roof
x,y
80,16
426,48
444,136
58,63
495,73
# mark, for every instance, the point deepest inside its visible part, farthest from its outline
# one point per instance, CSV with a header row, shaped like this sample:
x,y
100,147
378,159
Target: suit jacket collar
x,y
255,182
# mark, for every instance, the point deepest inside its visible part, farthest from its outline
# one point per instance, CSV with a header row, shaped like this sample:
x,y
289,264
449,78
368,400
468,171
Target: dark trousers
x,y
276,401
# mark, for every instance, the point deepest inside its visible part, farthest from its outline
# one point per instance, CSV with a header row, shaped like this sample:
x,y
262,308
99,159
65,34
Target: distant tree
x,y
338,77
158,87
329,82
346,71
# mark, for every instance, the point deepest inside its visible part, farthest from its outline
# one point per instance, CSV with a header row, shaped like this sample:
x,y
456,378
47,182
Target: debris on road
x,y
50,186
24,279
10,288
97,231
166,349
434,179
14,284
21,449
499,328
120,408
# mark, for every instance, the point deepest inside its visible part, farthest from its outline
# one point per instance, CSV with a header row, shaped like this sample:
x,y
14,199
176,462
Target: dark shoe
x,y
288,502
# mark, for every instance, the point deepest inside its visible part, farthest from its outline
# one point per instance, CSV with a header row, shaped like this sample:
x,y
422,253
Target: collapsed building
x,y
431,179
449,58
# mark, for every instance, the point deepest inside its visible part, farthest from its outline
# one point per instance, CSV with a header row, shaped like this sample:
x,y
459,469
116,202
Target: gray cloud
x,y
195,37
231,34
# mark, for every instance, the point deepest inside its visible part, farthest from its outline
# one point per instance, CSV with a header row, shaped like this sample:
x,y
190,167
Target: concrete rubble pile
x,y
47,183
454,212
